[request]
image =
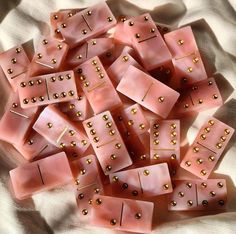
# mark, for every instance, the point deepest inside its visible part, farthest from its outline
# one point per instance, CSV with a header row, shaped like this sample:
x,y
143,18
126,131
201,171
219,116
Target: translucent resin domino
x,y
97,86
165,143
15,124
142,182
148,92
148,42
118,68
207,148
61,132
77,109
86,24
199,97
101,47
49,56
14,63
107,142
41,175
189,195
36,147
122,214
88,182
47,89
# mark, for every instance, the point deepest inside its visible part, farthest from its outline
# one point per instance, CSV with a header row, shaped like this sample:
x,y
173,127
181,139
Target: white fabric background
x,y
214,24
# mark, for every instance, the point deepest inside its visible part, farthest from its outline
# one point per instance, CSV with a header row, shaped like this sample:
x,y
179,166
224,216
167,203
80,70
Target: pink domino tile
x,y
189,195
77,109
41,175
135,119
97,86
165,143
148,42
146,181
14,63
148,92
107,142
59,17
61,132
101,47
88,182
181,42
188,70
47,89
15,124
50,54
36,147
199,97
118,68
207,148
122,214
91,22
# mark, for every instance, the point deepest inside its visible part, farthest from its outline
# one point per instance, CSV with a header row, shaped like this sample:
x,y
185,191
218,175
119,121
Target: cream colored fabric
x,y
214,24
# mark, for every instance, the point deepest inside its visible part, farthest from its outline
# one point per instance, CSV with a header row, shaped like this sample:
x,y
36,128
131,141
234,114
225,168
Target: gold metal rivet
x,y
141,126
13,60
156,156
9,71
188,163
78,113
85,212
161,99
203,172
137,35
146,172
53,61
55,95
59,46
89,13
41,98
118,146
219,145
108,168
190,203
62,145
115,178
181,194
220,184
53,79
152,30
89,161
189,185
22,84
18,50
203,184
173,157
25,101
203,136
125,58
195,149
173,126
82,172
63,25
200,101
84,142
156,142
199,161
55,17
205,203
112,132
14,105
190,69
84,31
180,42
109,19
96,139
31,142
73,143
89,124
227,131
195,60
165,186
173,203
71,93
138,216
130,122
113,157
45,42
108,124
113,222
146,18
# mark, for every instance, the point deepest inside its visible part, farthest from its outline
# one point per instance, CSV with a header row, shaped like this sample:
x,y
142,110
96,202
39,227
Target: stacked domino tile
x,y
99,107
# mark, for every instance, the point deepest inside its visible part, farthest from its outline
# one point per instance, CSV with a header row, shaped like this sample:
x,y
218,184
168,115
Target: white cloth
x,y
214,24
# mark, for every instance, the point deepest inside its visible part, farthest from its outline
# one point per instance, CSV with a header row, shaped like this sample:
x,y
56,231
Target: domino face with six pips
x,y
87,24
97,86
49,56
41,175
15,124
189,67
48,89
199,97
148,92
122,214
207,148
148,42
61,132
146,181
88,182
14,63
107,142
198,195
101,47
165,143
